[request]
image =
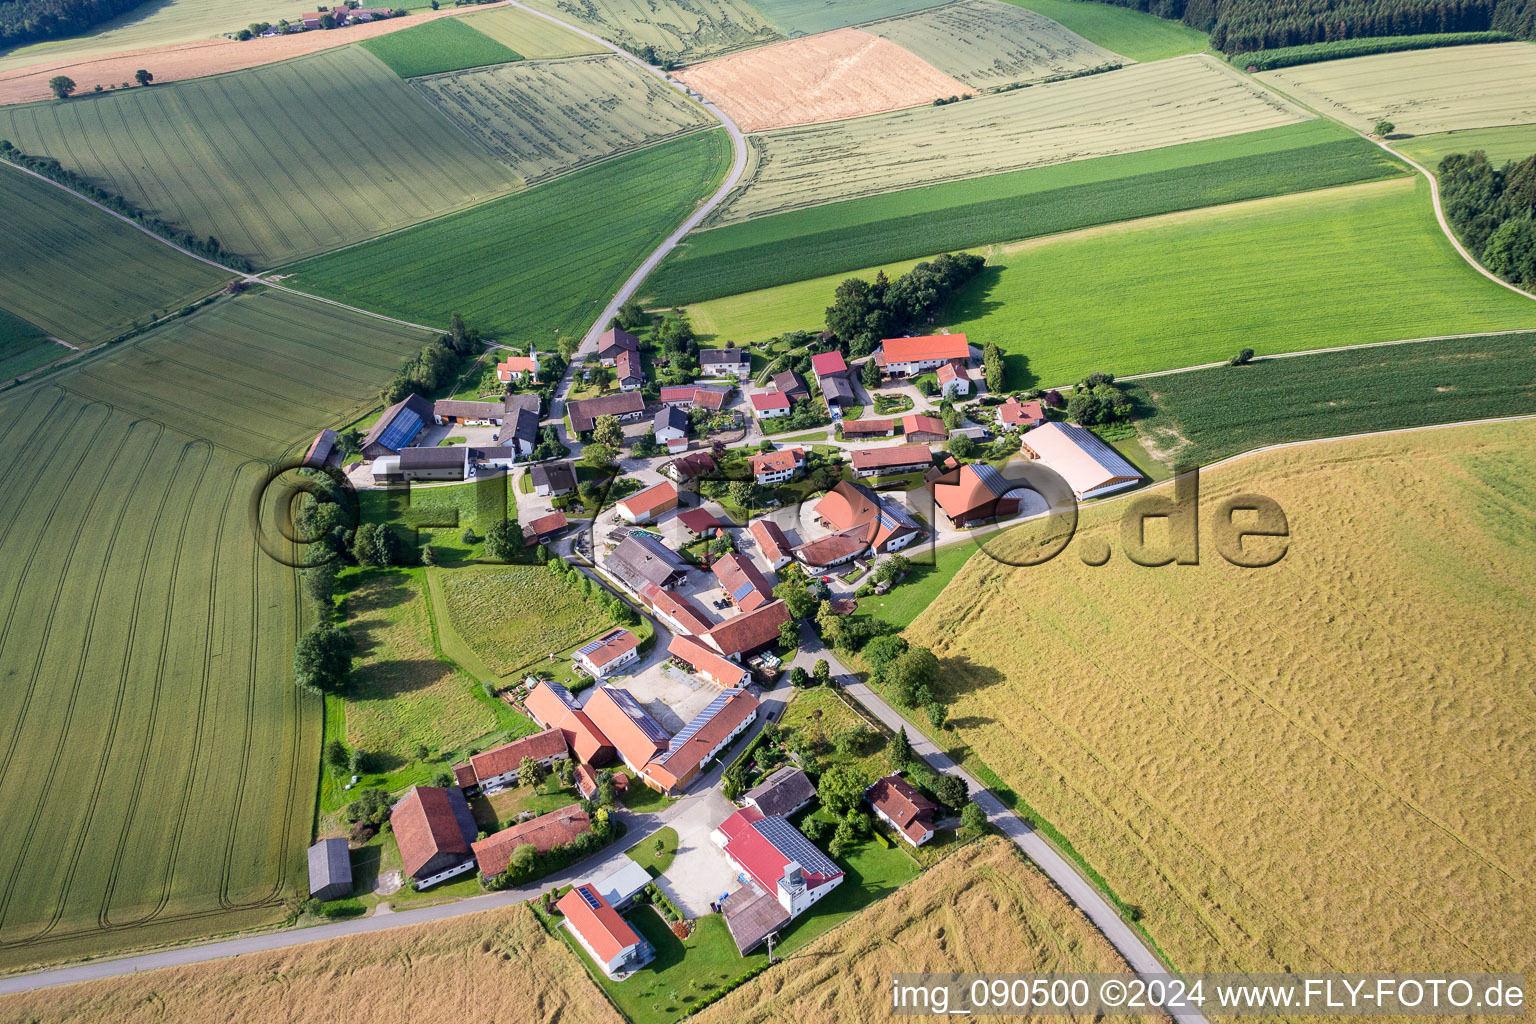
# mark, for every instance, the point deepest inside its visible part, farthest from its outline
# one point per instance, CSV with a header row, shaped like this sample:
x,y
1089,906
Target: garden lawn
x,y
644,852
498,811
836,717
513,616
447,44
1136,34
920,587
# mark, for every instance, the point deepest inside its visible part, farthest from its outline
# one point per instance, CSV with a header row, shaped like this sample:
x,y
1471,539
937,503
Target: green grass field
x,y
1205,415
242,158
807,17
174,21
446,44
1021,204
24,346
83,275
576,239
1135,34
529,34
548,117
1137,108
513,616
677,29
1514,142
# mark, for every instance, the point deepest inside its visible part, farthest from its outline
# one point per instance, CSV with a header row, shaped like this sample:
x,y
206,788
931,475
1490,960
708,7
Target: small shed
x,y
330,870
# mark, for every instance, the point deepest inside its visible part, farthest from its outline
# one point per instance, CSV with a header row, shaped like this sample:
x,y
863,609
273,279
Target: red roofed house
x,y
746,634
543,528
701,740
497,768
953,380
613,343
744,584
828,364
903,808
677,612
778,858
770,405
552,706
544,833
974,494
777,467
680,395
698,521
856,429
1014,413
901,458
634,733
926,429
905,357
516,368
434,829
608,653
860,520
712,398
611,943
706,664
690,467
645,506
771,542
627,371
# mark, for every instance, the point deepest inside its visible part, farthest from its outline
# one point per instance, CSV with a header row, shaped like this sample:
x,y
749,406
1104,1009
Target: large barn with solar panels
x,y
397,427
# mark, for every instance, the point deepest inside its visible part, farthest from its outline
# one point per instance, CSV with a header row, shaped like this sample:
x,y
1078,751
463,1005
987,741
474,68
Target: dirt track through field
x,y
826,77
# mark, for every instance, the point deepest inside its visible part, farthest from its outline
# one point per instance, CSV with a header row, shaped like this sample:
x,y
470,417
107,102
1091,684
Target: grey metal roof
x,y
433,458
782,791
708,356
670,416
751,915
642,558
329,864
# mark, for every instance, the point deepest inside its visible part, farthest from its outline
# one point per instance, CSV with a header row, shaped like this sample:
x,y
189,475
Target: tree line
x,y
28,21
1493,212
1238,26
864,312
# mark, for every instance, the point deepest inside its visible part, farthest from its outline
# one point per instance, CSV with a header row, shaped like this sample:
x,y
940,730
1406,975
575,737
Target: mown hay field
x,y
448,44
176,21
860,233
147,635
1421,91
983,908
1204,415
1512,142
1136,34
515,615
807,17
686,30
987,44
581,235
81,274
243,158
530,35
1136,108
1320,765
496,965
547,117
825,77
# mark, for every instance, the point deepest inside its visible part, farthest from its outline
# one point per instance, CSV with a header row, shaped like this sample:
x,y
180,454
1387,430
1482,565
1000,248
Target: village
x,y
734,546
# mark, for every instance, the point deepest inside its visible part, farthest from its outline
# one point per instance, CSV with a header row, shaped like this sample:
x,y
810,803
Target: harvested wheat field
x,y
826,77
1321,765
984,908
499,965
189,60
1421,91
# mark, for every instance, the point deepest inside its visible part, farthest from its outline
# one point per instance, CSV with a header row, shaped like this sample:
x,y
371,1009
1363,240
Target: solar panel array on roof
x,y
991,479
566,697
590,897
591,646
789,841
405,426
701,720
742,591
893,515
637,714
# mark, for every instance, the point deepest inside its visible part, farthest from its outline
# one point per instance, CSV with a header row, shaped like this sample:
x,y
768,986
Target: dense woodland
x,y
1238,26
1493,211
27,21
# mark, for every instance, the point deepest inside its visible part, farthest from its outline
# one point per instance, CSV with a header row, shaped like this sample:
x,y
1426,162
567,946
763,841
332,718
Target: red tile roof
x,y
704,661
854,508
873,426
586,781
543,527
895,455
710,399
824,363
464,775
600,927
550,709
657,497
506,758
913,423
762,859
930,346
636,741
681,760
772,462
906,807
1013,412
750,630
770,539
615,644
517,364
695,464
770,400
425,825
698,520
679,393
742,581
544,833
681,610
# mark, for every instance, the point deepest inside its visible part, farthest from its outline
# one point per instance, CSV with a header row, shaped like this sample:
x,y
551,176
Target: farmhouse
x,y
924,429
609,941
746,634
634,733
769,405
544,833
645,506
690,467
777,467
686,396
791,385
860,520
1088,464
614,343
903,808
726,362
706,664
623,883
906,357
485,413
552,479
324,450
497,768
627,371
553,706
677,612
544,529
828,364
783,865
771,542
1014,413
901,458
974,494
518,368
434,830
627,406
744,585
783,792
856,430
954,380
330,870
608,653
670,424
730,714
434,463
642,558
396,427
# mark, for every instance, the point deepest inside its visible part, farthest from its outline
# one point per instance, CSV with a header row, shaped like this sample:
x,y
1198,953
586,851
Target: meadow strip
x,y
1136,34
446,45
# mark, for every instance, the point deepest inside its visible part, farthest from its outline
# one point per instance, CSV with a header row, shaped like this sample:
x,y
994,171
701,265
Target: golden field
x,y
984,908
1321,765
498,965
